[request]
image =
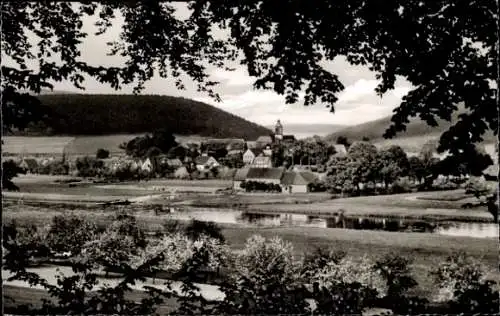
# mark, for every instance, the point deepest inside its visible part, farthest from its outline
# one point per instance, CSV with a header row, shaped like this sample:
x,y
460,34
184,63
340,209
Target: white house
x,y
250,155
134,165
262,162
205,162
297,182
340,150
147,165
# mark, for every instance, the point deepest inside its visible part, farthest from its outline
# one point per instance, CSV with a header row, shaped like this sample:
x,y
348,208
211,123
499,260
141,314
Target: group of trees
x,y
159,142
253,186
366,165
265,277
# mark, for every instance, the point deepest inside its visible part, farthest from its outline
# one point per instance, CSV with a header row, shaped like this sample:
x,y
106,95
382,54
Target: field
x,y
81,145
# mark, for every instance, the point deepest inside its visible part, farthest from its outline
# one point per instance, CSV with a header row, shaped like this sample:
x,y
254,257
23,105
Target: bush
x,y
10,170
89,167
102,153
265,280
70,233
461,283
317,187
55,167
444,183
402,185
253,186
197,228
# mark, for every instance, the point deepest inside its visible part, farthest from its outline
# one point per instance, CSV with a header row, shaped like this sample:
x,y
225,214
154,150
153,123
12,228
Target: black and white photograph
x,y
215,157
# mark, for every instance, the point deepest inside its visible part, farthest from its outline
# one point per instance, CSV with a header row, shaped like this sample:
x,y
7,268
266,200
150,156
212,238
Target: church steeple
x,y
278,131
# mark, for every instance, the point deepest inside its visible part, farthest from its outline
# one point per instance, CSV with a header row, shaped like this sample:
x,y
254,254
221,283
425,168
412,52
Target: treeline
x,y
265,277
366,169
80,114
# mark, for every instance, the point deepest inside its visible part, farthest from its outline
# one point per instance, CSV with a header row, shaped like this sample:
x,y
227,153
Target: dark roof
x,y
31,163
264,139
176,162
241,174
255,151
265,173
236,146
201,160
298,178
288,137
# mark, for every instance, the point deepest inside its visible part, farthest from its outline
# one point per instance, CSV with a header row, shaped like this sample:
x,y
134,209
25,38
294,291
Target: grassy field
x,y
35,145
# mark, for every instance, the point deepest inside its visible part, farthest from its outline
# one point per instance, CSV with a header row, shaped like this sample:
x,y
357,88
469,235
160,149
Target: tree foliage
x,y
447,51
10,170
102,153
160,141
68,233
393,164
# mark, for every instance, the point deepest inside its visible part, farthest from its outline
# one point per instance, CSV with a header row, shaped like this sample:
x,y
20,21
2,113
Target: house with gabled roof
x,y
174,163
297,182
262,161
491,173
250,154
30,165
205,162
340,150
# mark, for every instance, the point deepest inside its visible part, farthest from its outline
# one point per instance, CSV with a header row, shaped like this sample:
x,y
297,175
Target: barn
x,y
297,182
239,177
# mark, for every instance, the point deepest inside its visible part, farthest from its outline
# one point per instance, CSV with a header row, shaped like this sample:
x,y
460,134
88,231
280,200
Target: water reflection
x,y
478,230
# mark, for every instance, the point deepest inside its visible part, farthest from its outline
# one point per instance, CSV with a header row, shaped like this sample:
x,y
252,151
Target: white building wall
x,y
236,185
300,188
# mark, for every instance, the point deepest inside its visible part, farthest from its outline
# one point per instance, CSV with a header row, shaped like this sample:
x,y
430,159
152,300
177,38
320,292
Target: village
x,y
235,159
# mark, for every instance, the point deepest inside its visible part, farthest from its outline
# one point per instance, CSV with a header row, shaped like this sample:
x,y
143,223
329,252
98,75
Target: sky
x,y
358,103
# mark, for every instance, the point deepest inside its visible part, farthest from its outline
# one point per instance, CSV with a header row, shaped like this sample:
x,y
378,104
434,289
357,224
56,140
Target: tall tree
x,y
363,156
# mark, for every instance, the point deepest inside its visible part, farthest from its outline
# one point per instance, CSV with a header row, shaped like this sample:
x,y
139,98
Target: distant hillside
x,y
89,114
374,130
308,130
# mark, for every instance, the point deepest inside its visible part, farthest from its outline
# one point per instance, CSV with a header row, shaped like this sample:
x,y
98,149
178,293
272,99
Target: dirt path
x,y
210,292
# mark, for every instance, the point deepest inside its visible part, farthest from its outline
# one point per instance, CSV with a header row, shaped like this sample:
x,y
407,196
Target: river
x,y
262,219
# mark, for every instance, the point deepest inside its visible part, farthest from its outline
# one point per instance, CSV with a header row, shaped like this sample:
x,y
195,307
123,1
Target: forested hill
x,y
89,114
374,130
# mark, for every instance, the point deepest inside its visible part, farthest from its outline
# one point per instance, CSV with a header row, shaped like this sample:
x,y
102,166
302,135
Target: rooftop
x,y
265,173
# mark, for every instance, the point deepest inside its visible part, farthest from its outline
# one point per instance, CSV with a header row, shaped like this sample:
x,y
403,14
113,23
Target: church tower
x,y
278,132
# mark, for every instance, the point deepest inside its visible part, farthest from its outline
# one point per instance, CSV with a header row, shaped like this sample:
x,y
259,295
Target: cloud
x,y
238,77
359,89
